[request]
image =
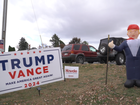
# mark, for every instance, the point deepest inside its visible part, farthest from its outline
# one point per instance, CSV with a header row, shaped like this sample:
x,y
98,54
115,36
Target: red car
x,y
79,53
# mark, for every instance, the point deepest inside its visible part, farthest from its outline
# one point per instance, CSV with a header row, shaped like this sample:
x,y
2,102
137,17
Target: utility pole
x,y
4,22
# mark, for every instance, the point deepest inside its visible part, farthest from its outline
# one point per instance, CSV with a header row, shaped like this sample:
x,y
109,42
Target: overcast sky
x,y
89,20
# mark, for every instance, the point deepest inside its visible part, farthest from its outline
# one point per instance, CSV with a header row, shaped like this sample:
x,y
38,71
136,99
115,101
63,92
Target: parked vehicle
x,y
79,53
119,57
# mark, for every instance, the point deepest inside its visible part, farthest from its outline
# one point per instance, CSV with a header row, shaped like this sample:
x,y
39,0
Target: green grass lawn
x,y
88,89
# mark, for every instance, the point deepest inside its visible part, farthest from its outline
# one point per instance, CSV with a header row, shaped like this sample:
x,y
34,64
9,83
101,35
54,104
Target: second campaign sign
x,y
25,69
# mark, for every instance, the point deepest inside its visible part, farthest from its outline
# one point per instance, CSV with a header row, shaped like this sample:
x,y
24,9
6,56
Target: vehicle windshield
x,y
106,41
92,49
67,47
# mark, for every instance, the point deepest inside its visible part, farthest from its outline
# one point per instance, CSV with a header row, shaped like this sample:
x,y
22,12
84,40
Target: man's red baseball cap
x,y
133,26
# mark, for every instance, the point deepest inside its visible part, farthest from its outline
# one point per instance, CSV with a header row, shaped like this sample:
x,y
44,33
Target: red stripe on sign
x,y
1,46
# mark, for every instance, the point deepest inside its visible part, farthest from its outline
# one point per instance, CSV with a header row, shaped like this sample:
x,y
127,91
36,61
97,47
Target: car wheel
x,y
120,59
90,61
70,62
101,60
103,49
66,61
80,59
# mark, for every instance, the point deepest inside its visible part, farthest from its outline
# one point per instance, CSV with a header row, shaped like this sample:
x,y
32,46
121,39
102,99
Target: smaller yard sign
x,y
1,45
71,72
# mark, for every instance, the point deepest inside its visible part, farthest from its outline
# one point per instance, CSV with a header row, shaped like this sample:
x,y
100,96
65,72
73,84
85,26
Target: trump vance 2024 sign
x,y
25,69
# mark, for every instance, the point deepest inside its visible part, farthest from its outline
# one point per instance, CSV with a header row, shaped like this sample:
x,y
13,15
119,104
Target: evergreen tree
x,y
23,45
62,44
85,42
75,40
11,49
56,42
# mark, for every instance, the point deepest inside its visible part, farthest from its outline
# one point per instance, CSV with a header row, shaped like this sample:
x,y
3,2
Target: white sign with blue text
x,y
25,69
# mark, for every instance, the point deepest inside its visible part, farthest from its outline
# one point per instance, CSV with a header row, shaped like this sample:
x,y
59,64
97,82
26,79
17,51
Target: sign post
x,y
107,60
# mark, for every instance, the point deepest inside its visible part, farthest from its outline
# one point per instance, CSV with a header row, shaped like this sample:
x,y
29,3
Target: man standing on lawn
x,y
132,52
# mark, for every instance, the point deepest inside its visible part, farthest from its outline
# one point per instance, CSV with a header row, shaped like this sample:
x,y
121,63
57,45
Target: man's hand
x,y
111,44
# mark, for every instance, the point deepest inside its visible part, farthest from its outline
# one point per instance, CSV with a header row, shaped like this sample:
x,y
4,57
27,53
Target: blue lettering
x,y
25,64
50,58
17,62
41,59
3,64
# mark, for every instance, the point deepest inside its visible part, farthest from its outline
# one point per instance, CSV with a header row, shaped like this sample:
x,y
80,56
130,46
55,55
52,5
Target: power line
x,y
35,17
36,22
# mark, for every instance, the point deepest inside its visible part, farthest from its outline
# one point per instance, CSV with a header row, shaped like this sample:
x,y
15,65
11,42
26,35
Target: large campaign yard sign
x,y
25,69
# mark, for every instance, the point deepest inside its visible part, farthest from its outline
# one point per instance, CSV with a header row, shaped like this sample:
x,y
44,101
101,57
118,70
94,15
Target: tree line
x,y
55,40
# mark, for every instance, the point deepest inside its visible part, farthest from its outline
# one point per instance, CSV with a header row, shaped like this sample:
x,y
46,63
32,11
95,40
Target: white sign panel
x,y
1,45
25,69
71,72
